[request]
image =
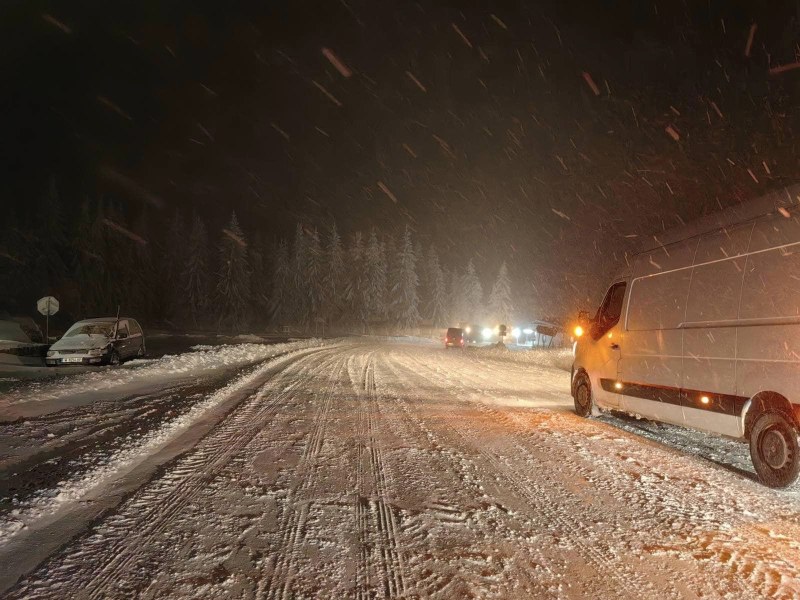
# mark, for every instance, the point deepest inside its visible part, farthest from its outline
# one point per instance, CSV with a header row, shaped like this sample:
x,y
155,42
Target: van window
x,y
772,284
715,289
658,301
609,312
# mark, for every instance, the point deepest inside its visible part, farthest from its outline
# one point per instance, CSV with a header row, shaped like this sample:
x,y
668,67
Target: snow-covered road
x,y
382,468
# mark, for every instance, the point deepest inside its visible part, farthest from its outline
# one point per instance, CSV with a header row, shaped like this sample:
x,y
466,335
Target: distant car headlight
x,y
51,353
96,352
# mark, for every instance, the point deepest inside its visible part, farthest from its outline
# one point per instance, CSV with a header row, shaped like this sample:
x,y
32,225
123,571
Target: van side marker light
x,y
704,399
618,385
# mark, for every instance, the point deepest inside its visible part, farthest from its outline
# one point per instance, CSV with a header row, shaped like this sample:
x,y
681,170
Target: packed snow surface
x,y
135,376
386,468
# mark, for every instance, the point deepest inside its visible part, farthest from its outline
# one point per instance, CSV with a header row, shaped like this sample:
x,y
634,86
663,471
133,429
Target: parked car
x,y
703,331
103,341
454,338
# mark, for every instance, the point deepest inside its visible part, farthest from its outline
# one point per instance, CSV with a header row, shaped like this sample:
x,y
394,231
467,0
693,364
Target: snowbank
x,y
135,377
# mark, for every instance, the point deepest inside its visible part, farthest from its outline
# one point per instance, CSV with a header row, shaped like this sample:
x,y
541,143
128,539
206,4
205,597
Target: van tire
x,y
774,450
583,397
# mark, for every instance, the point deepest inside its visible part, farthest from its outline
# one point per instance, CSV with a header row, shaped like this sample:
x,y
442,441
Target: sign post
x,y
47,306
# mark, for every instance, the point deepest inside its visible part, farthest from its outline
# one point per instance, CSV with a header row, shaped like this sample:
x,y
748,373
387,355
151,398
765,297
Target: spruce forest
x,y
183,275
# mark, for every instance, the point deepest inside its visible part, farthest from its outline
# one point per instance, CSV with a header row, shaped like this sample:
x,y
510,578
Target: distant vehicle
x,y
704,331
103,341
454,338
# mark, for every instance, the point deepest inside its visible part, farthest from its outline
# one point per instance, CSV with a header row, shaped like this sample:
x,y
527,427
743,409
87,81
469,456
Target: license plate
x,y
72,360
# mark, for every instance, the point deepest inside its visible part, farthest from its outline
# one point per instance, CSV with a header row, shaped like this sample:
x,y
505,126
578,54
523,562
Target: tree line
x,y
189,277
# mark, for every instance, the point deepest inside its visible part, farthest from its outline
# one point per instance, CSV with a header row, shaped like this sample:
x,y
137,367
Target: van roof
x,y
783,197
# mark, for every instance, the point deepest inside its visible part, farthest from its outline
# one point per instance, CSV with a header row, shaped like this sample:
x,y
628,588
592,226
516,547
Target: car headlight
x,y
96,352
51,353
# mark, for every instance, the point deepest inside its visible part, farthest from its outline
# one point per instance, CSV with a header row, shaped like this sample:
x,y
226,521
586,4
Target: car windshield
x,y
104,329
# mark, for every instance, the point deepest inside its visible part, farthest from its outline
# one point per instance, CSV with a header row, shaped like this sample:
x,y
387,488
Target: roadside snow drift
x,y
134,377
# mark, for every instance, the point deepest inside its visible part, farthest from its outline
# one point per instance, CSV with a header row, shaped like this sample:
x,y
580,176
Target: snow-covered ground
x,y
385,468
133,377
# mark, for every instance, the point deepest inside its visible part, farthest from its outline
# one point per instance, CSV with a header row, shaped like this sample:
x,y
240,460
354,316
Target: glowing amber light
x,y
704,399
618,385
578,331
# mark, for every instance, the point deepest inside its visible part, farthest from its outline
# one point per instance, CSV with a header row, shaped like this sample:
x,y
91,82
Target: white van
x,y
703,330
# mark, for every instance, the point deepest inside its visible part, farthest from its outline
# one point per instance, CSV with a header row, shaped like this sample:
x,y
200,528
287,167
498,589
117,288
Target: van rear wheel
x,y
583,397
774,450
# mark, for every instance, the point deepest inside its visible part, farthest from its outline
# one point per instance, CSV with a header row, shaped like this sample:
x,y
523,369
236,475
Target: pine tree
x,y
174,254
424,289
259,279
500,305
297,304
233,279
355,294
472,294
405,299
47,248
12,262
333,279
88,262
313,276
437,308
455,301
375,267
281,284
392,275
197,282
143,297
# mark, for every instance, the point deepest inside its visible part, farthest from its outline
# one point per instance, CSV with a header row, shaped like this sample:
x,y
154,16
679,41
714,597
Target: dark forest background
x,y
182,274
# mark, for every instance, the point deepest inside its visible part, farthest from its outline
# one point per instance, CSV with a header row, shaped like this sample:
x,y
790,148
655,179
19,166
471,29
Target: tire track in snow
x,y
449,452
161,503
277,583
392,561
627,581
764,571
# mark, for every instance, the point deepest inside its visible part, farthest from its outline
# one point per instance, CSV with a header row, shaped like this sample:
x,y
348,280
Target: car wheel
x,y
774,450
113,358
583,397
141,353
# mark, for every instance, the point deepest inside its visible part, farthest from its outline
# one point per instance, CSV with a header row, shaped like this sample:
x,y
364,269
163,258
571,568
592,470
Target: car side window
x,y
610,310
122,330
134,327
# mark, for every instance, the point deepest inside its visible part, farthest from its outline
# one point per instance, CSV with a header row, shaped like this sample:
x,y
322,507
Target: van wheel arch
x,y
767,402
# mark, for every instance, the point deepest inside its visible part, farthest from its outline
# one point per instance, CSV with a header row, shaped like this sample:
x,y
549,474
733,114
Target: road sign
x,y
47,306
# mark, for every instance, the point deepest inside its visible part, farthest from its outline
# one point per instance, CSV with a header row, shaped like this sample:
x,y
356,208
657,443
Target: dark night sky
x,y
177,104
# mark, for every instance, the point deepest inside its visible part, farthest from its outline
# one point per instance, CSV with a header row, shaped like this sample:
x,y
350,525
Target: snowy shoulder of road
x,y
135,377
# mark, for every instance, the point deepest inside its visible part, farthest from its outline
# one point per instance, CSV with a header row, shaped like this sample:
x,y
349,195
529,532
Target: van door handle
x,y
615,346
